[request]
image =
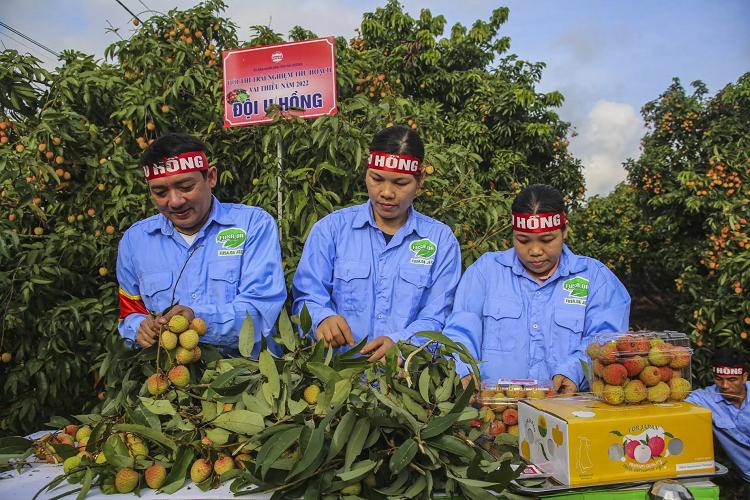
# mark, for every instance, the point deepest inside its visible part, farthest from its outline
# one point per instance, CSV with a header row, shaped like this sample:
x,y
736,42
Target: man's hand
x,y
465,384
163,321
563,385
148,332
377,348
335,332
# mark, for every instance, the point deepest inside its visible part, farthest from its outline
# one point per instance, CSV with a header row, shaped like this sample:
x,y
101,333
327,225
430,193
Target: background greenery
x,y
70,141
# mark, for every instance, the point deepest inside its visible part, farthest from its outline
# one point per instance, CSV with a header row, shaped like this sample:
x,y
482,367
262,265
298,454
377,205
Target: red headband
x,y
401,164
193,161
729,370
538,223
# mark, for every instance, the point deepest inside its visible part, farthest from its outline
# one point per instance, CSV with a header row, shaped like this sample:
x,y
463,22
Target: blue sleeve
x,y
437,301
128,281
465,322
313,281
262,289
607,311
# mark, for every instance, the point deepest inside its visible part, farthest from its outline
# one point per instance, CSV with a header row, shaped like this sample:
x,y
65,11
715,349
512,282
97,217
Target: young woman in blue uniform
x,y
379,270
524,311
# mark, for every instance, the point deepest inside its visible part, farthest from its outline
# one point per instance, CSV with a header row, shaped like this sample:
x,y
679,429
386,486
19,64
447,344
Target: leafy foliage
x,y
65,205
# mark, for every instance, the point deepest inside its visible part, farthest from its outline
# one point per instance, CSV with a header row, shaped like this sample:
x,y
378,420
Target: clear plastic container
x,y
498,403
639,367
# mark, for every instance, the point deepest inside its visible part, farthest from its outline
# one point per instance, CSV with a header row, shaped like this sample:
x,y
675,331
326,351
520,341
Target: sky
x,y
607,58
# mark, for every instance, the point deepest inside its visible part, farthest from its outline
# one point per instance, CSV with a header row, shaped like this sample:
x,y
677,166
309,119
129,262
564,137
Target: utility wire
x,y
30,48
147,8
30,39
129,11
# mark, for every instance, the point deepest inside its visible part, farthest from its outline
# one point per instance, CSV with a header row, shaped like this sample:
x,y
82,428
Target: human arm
x,y
607,311
135,324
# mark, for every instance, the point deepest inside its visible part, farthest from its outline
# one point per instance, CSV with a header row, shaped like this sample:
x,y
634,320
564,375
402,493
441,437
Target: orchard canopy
x,y
70,140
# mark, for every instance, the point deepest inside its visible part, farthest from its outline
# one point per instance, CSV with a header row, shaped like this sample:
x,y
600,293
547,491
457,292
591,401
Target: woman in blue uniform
x,y
524,311
379,270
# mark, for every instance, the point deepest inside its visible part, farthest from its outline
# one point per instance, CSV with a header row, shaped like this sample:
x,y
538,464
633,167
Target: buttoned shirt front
x,y
731,424
394,289
522,329
232,268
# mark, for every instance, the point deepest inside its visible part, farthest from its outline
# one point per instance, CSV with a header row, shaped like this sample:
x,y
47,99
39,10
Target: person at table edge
x,y
525,311
727,400
232,253
379,270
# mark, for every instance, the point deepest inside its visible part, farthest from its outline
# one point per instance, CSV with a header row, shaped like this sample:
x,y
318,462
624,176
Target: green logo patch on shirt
x,y
423,250
231,239
578,290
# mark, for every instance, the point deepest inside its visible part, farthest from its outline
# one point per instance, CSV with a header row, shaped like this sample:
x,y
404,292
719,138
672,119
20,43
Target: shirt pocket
x,y
724,422
351,288
222,282
157,287
410,285
568,330
501,323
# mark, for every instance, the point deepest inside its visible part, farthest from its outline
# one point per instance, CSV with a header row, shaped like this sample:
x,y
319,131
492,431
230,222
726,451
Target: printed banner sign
x,y
293,75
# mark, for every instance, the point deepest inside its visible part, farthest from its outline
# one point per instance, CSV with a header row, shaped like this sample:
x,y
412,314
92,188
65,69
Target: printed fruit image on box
x,y
582,441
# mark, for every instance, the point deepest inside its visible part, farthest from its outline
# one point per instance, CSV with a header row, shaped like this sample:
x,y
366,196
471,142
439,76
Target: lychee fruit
x,y
496,428
6,357
635,391
666,373
199,326
200,470
608,353
660,354
178,324
634,365
168,340
126,480
196,353
650,376
179,376
512,429
626,345
100,459
311,394
155,476
489,416
613,394
138,451
241,459
157,384
642,344
71,463
510,417
352,489
597,386
515,392
658,393
370,480
630,448
223,465
536,392
189,339
487,396
598,368
615,374
72,430
593,350
184,356
656,444
680,357
679,388
66,439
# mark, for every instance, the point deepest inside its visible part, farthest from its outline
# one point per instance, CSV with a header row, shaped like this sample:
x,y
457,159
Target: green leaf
x,y
416,409
241,422
247,336
86,484
325,373
416,488
218,436
403,456
148,433
257,405
341,434
268,369
452,444
361,471
356,442
288,337
341,392
176,477
158,406
275,447
314,448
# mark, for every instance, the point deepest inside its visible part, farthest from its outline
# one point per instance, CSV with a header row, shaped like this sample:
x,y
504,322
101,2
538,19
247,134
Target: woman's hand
x,y
377,348
335,332
563,385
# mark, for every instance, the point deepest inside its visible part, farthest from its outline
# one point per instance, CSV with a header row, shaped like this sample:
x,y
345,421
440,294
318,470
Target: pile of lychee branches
x,y
309,424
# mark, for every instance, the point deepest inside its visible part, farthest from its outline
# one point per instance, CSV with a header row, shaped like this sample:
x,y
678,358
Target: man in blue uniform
x,y
226,256
727,400
379,270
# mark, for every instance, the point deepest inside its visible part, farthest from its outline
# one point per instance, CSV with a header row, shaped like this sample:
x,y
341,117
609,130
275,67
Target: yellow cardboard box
x,y
582,441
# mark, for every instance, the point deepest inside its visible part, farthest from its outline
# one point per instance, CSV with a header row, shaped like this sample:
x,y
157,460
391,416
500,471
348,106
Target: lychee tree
x,y
70,182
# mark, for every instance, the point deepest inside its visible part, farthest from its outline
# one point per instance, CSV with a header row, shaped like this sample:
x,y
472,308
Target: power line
x,y
129,11
30,48
30,39
147,8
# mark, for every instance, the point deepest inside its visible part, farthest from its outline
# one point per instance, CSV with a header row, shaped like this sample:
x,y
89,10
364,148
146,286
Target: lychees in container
x,y
639,367
498,403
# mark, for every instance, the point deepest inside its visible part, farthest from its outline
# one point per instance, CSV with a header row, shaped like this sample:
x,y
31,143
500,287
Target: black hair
x,y
538,199
171,145
398,140
726,356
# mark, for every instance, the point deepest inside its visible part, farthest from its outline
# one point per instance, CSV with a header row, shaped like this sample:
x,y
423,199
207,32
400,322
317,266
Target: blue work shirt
x,y
394,289
731,424
223,279
522,329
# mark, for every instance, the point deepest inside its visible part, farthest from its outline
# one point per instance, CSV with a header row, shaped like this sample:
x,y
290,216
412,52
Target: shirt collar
x,y
413,223
570,263
719,398
218,214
